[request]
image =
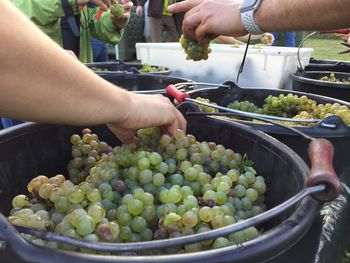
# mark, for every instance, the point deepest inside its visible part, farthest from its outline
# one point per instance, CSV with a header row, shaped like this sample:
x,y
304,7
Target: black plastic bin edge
x,y
309,82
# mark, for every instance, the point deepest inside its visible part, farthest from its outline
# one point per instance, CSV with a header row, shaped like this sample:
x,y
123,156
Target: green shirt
x,y
46,14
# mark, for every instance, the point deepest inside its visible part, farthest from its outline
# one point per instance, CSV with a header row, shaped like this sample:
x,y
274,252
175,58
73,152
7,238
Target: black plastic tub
x,y
332,128
142,82
31,149
123,67
327,65
309,81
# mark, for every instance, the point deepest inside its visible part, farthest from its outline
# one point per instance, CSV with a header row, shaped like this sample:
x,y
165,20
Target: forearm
x,y
228,40
302,15
40,82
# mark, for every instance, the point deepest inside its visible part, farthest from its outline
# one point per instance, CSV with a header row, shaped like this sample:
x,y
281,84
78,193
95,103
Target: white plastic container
x,y
265,67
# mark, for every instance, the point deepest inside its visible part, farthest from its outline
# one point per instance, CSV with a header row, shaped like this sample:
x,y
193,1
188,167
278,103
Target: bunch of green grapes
x,y
287,105
332,78
169,186
149,69
206,108
117,10
194,50
86,151
245,106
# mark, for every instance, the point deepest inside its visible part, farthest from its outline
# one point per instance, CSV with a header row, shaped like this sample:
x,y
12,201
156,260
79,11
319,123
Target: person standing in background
x,y
289,38
160,20
55,18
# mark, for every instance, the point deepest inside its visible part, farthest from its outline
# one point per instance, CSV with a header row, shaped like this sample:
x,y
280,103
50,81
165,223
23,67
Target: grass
x,y
327,49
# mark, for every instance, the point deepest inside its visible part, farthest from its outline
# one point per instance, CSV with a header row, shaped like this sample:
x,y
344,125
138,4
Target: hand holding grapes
x,y
121,12
148,111
203,23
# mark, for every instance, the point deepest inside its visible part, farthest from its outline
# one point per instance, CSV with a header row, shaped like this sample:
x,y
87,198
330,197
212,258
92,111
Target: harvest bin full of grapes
x,y
78,195
314,115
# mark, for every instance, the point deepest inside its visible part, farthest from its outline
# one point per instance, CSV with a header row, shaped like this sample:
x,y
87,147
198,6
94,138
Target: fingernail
x,y
171,7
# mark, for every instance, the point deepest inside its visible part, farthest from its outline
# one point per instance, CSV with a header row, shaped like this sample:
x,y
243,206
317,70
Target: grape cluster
x,y
169,187
290,106
146,68
206,108
117,10
86,151
265,40
245,106
194,50
332,78
287,105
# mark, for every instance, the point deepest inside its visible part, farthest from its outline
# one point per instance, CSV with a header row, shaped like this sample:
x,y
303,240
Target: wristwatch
x,y
247,10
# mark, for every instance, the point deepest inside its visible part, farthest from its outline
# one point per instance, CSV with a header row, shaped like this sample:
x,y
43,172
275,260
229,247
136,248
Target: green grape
x,y
181,154
221,242
94,195
146,235
259,186
189,219
220,197
125,232
218,221
239,190
143,163
190,201
186,191
176,179
135,207
155,158
171,218
174,195
20,201
252,194
62,204
237,237
76,196
74,139
146,176
250,233
138,224
97,213
124,219
191,174
149,212
206,214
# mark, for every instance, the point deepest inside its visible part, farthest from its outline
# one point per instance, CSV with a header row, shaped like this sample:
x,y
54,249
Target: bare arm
x,y
203,19
228,40
40,82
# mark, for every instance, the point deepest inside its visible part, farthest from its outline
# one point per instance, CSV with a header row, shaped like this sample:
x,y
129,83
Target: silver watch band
x,y
249,24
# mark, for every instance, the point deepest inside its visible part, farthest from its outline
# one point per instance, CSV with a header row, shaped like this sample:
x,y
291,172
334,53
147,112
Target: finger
x,y
190,23
182,123
128,6
101,4
183,6
203,35
107,2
